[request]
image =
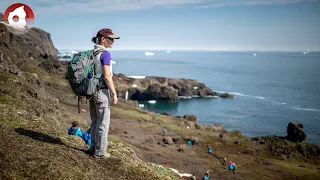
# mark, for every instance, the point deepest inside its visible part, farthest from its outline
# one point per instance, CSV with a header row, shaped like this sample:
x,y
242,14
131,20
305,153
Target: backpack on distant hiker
x,y
84,75
75,131
87,137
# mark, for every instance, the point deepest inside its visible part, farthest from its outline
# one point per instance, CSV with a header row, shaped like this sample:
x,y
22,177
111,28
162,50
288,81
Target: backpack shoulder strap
x,y
96,52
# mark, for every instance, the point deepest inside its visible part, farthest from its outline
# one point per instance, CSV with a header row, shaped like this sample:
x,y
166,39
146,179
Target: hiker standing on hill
x,y
100,101
164,131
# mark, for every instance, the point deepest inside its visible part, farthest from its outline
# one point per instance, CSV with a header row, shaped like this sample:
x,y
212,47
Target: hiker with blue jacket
x,y
75,129
206,176
87,137
100,102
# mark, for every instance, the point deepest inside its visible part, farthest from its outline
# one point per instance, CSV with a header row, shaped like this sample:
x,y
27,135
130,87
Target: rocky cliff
x,y
34,48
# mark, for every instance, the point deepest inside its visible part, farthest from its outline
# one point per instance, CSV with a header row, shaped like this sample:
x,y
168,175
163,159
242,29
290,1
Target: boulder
x,y
182,147
225,95
295,132
217,128
190,117
167,140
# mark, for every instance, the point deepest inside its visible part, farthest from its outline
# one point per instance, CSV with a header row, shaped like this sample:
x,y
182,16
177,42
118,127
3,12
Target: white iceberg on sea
x,y
149,53
152,101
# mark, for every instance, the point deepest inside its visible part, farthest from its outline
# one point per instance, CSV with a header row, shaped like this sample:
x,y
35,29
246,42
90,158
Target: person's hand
x,y
114,99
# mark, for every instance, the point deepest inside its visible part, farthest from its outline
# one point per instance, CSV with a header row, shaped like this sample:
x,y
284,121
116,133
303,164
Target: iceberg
x,y
152,101
149,53
137,77
66,55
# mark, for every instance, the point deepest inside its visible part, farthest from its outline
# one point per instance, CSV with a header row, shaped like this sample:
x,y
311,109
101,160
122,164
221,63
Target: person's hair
x,y
75,123
95,40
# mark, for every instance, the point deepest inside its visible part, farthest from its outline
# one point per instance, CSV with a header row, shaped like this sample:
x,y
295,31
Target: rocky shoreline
x,y
162,89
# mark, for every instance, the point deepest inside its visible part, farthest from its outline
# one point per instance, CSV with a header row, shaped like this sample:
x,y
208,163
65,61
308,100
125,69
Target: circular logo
x,y
18,18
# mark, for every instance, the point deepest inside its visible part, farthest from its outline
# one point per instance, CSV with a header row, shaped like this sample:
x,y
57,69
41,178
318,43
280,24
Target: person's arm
x,y
106,61
108,78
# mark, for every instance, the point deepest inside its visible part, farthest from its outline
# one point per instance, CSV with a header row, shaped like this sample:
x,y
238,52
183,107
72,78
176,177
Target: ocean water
x,y
271,88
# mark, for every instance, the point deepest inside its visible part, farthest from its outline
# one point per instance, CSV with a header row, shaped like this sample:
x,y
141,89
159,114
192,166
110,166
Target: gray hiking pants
x,y
100,121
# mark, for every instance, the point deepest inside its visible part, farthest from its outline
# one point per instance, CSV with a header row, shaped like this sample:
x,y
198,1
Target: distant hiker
x,y
189,143
206,176
209,149
232,166
100,101
87,137
75,129
164,132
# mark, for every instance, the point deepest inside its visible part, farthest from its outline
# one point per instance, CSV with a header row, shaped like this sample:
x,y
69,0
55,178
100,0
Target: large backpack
x,y
82,74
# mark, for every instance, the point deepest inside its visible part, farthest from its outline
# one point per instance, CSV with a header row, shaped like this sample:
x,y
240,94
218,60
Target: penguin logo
x,y
18,18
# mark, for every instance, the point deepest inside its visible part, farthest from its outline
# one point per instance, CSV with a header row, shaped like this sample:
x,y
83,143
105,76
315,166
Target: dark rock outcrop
x,y
280,146
160,88
225,95
31,49
158,92
293,145
295,132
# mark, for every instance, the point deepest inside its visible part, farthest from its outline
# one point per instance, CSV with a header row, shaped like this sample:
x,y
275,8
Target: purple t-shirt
x,y
105,58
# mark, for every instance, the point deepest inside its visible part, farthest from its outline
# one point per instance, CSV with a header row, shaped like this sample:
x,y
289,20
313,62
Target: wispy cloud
x,y
85,6
222,3
78,6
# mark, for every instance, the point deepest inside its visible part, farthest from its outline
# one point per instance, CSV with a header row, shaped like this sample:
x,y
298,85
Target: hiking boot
x,y
89,152
106,156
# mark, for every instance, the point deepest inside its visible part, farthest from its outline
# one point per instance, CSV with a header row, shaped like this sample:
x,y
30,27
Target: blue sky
x,y
236,25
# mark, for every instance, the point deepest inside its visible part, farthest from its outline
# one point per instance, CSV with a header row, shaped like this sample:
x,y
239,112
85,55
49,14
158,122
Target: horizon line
x,y
213,50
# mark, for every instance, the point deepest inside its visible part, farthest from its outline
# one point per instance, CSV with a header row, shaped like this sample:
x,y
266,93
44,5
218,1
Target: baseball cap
x,y
105,32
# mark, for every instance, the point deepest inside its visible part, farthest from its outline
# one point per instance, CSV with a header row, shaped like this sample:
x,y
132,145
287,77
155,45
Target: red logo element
x,y
19,16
